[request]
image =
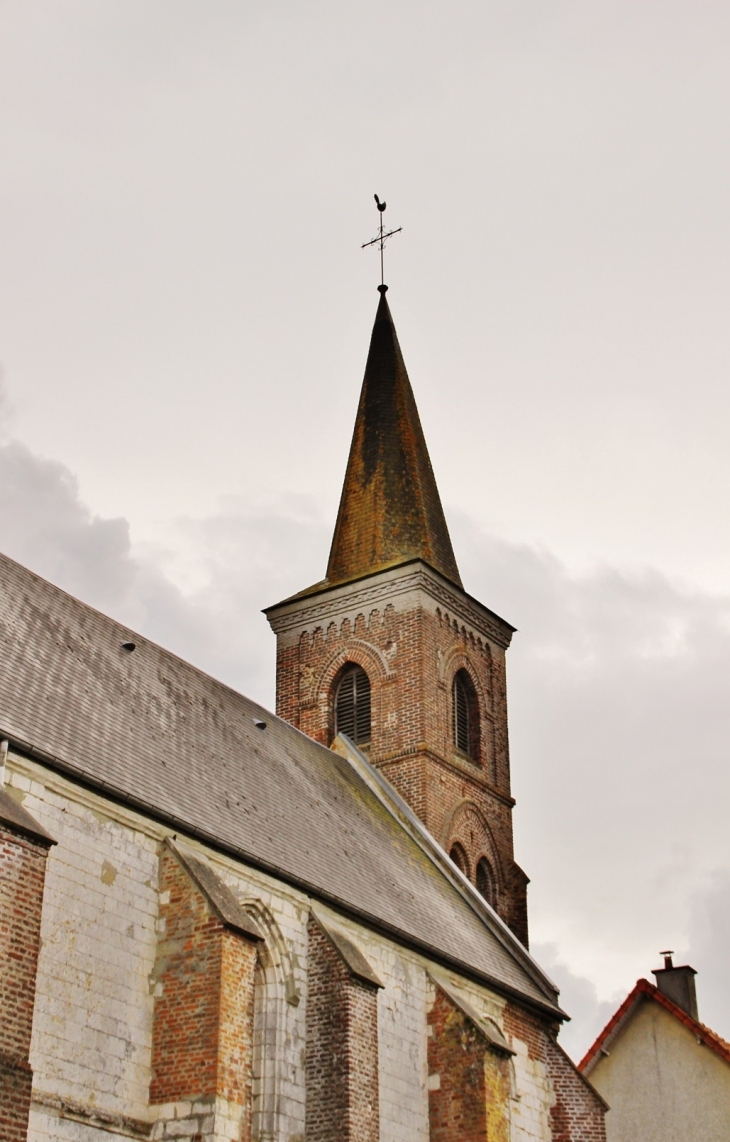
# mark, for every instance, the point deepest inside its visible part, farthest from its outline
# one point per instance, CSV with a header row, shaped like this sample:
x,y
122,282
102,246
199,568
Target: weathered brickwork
x,y
16,1080
22,879
577,1113
342,1049
468,1083
202,1042
411,649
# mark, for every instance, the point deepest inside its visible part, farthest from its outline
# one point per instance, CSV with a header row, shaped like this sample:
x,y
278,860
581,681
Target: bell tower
x,y
391,650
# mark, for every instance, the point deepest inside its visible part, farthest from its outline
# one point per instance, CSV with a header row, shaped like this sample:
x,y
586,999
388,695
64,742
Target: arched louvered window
x,y
465,713
458,856
352,705
486,884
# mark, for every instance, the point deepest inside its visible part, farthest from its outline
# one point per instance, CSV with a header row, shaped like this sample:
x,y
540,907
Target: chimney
x,y
678,984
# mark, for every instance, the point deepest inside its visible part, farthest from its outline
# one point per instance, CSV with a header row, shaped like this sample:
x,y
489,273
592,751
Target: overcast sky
x,y
184,317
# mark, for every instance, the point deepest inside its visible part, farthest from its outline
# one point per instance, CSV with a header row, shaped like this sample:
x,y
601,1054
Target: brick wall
x,y
342,1049
16,1080
202,1041
468,1083
22,878
577,1113
411,651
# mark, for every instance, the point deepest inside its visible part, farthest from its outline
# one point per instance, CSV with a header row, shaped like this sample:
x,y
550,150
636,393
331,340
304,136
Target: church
x,y
219,923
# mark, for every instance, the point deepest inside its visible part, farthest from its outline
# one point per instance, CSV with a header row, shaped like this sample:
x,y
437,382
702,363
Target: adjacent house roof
x,y
643,992
148,729
390,510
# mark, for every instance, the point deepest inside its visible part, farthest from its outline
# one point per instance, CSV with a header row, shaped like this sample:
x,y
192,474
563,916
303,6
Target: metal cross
x,y
381,238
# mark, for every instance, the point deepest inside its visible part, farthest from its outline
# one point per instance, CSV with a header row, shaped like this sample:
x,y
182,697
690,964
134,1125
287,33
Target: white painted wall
x,y
662,1084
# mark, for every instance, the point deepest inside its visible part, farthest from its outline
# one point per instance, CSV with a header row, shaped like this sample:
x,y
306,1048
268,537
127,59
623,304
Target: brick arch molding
x,y
457,830
356,650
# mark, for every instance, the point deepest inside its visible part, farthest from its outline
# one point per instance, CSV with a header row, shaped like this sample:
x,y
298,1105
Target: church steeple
x,y
390,509
390,651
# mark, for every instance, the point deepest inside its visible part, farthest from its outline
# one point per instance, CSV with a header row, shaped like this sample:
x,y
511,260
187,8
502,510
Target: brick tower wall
x,y
411,650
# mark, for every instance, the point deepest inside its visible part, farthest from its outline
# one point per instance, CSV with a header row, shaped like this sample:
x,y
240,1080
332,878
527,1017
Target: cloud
x,y
579,998
708,952
199,593
619,716
46,526
709,927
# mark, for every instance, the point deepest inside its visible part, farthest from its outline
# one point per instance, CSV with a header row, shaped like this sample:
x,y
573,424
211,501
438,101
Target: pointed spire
x,y
390,510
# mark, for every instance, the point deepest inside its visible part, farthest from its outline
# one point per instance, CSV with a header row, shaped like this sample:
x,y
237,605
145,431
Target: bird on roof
x,y
381,205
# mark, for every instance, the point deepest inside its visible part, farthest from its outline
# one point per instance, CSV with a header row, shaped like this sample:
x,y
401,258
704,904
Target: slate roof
x,y
148,729
390,509
644,991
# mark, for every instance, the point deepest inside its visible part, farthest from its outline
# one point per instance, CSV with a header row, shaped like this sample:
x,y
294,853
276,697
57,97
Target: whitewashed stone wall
x,y
93,1016
93,1022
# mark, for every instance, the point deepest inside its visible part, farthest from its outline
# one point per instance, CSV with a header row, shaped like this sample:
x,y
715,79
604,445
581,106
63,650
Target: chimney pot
x,y
678,984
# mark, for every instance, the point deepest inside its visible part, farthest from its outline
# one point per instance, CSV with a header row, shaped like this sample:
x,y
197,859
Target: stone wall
x,y
98,973
577,1113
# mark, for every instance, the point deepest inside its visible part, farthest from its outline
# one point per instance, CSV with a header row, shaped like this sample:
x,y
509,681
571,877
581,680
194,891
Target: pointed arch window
x,y
486,882
465,715
352,705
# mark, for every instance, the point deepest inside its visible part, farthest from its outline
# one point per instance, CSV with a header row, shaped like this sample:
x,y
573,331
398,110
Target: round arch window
x,y
458,856
465,715
486,884
352,705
